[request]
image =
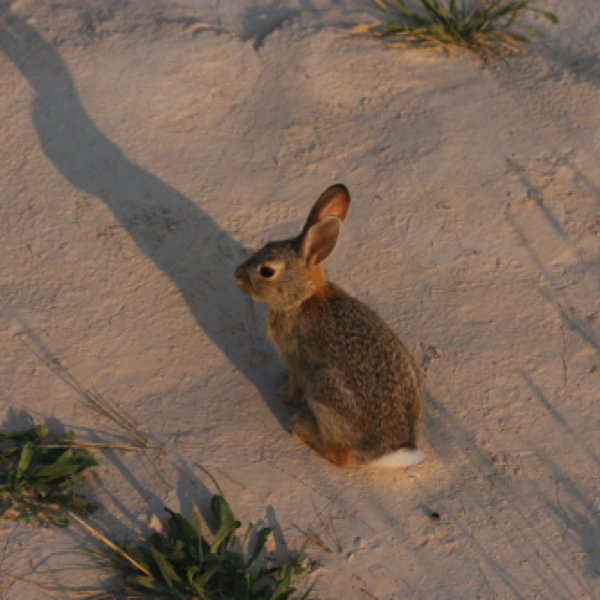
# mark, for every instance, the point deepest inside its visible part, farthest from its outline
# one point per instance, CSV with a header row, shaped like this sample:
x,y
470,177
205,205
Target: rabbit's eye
x,y
266,272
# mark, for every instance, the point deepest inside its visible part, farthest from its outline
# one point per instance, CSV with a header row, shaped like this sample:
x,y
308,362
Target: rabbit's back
x,y
340,339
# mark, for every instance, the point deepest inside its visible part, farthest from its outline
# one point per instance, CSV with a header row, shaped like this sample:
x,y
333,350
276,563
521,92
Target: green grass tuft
x,y
182,563
36,479
486,26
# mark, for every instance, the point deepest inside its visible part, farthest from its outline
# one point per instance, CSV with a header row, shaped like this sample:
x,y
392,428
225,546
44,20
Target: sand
x,y
147,148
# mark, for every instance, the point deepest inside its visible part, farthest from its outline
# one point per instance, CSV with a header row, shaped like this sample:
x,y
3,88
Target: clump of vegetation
x,y
486,26
36,479
181,563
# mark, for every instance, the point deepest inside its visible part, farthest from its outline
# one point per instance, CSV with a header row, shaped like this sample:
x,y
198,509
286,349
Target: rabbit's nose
x,y
239,272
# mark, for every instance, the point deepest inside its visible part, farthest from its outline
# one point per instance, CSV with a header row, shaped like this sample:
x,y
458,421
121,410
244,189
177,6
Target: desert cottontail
x,y
363,387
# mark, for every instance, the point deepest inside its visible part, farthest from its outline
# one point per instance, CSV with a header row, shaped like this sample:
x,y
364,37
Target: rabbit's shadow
x,y
183,241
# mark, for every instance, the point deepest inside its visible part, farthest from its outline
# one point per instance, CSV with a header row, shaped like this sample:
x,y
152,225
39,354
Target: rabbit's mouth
x,y
244,282
247,288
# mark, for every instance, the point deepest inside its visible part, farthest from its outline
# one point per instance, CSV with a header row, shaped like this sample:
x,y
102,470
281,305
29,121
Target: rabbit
x,y
363,388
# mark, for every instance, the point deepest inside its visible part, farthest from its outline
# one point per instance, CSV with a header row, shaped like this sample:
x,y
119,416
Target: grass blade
x,y
263,536
112,546
441,23
25,460
166,568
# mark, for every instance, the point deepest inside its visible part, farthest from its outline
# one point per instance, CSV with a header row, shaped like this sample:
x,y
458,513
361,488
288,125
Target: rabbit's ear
x,y
333,202
320,240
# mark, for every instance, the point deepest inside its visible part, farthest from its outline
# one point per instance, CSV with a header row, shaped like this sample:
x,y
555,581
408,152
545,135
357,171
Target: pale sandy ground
x,y
146,147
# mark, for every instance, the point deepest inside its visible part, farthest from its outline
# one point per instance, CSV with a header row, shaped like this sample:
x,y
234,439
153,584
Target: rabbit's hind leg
x,y
305,429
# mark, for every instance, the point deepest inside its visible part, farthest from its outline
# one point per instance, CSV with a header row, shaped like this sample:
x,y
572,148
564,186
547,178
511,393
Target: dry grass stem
x,y
211,478
240,485
97,446
336,537
490,28
114,413
52,588
96,400
112,546
315,539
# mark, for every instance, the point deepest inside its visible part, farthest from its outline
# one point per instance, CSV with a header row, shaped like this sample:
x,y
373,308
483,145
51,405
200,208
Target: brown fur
x,y
363,387
305,429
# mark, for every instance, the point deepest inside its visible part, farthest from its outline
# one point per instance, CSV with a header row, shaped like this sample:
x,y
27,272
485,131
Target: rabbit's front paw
x,y
290,395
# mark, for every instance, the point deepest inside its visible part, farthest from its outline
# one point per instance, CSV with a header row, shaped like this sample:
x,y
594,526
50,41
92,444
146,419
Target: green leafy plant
x,y
36,479
181,563
486,26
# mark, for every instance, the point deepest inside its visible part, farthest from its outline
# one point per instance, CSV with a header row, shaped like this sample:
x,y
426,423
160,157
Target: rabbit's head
x,y
286,273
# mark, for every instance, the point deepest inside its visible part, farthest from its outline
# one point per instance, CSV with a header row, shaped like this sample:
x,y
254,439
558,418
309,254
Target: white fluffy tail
x,y
405,457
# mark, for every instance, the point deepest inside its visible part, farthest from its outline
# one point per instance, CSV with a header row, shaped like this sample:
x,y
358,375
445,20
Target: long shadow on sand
x,y
182,240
